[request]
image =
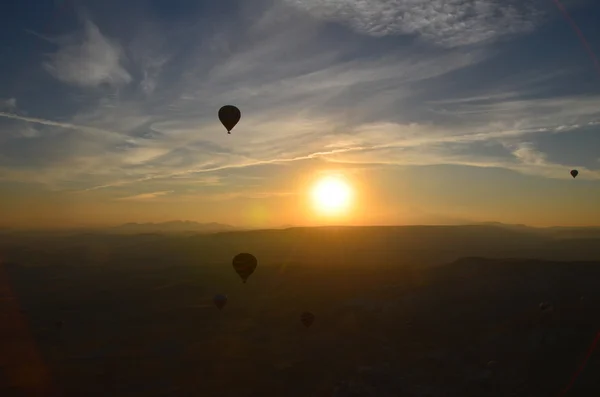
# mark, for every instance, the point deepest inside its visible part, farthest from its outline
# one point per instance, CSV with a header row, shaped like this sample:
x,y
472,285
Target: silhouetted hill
x,y
171,227
354,247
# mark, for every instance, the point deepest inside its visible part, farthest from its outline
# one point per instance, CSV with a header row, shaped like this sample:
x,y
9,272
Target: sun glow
x,y
331,195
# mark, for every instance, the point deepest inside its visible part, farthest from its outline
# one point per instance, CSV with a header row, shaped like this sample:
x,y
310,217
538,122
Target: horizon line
x,y
282,227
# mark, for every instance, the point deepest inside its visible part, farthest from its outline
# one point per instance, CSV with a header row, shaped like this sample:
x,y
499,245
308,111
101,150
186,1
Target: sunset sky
x,y
432,111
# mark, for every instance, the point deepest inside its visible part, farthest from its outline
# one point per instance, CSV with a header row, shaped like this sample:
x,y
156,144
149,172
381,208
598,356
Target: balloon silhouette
x,y
546,307
229,116
220,301
244,265
307,319
574,173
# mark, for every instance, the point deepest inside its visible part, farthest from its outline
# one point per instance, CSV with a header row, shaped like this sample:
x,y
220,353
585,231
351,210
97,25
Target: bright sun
x,y
331,195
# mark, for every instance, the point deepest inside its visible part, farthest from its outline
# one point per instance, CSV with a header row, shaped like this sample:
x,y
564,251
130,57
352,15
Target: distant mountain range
x,y
172,227
180,226
555,231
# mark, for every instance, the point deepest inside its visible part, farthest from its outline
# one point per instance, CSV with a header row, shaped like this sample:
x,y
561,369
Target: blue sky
x,y
105,104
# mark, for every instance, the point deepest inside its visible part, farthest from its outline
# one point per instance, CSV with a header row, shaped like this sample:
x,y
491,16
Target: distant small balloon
x,y
307,319
546,307
244,265
229,116
220,301
574,173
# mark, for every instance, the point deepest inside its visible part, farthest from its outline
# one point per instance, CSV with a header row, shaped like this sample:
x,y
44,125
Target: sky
x,y
434,111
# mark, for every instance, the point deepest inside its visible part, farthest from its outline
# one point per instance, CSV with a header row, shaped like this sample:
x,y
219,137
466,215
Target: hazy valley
x,y
400,311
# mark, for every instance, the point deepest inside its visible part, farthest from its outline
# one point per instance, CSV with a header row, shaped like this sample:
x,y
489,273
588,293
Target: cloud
x,y
306,93
534,162
151,70
507,149
207,196
297,98
28,131
555,113
234,195
526,153
374,143
88,60
145,196
82,128
9,105
449,23
150,51
111,115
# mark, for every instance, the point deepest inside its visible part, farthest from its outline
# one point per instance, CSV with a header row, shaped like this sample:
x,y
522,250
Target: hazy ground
x,y
397,312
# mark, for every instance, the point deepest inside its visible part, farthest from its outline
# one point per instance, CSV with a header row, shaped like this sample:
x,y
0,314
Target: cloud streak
x,y
145,196
69,126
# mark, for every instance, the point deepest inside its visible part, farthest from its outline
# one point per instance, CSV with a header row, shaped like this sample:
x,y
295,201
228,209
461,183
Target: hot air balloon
x,y
574,173
546,307
244,265
307,319
220,300
229,116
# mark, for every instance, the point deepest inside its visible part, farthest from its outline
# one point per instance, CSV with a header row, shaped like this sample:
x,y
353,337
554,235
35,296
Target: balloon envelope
x,y
307,318
220,300
546,307
574,173
244,265
229,116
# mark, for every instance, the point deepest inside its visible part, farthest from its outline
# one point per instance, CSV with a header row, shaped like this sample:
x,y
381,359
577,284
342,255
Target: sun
x,y
331,195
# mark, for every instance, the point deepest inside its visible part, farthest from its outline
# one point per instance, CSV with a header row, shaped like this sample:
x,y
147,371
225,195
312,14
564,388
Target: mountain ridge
x,y
173,227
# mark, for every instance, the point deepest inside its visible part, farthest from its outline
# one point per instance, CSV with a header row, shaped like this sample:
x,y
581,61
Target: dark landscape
x,y
400,311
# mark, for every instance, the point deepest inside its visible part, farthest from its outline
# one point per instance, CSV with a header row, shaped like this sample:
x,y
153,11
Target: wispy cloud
x,y
306,93
525,151
9,104
51,123
449,23
233,196
530,113
145,196
383,144
531,159
152,69
509,149
150,51
28,131
88,59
